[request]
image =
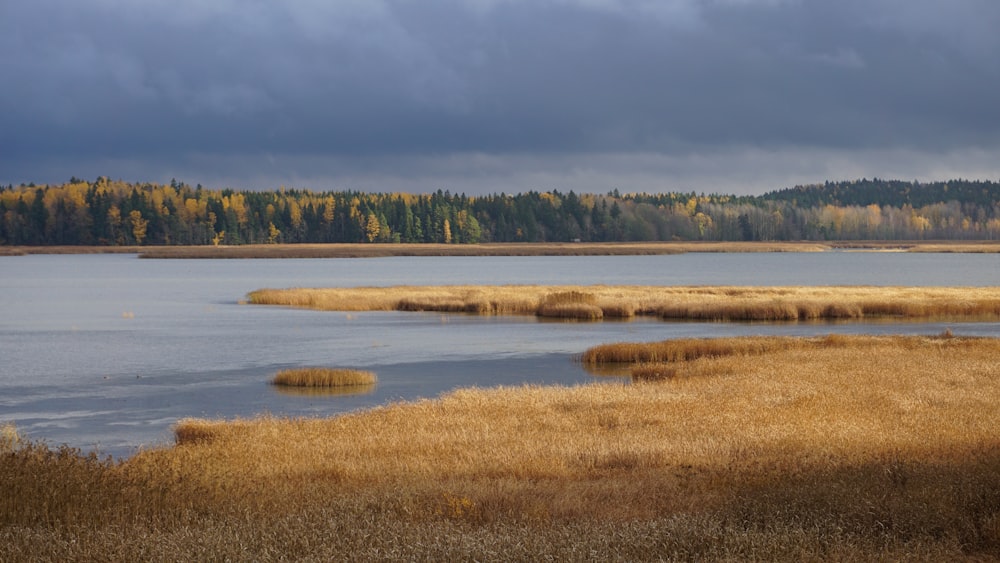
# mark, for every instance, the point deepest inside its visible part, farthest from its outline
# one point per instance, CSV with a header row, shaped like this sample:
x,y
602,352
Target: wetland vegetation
x,y
769,448
671,303
849,448
323,377
357,250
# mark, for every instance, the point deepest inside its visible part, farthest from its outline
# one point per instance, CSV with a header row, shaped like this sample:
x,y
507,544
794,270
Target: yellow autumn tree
x,y
238,203
295,213
328,207
372,227
690,208
703,222
114,224
138,225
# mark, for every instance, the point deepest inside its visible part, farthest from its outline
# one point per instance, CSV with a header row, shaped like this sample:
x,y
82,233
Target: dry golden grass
x,y
25,250
502,249
549,249
488,249
688,349
972,247
843,448
698,303
570,305
323,377
945,246
9,439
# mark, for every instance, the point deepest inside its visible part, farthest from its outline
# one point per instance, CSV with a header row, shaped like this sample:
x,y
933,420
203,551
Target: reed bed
x,y
62,249
851,448
723,303
680,358
323,377
966,247
688,349
9,439
545,249
570,305
501,249
486,249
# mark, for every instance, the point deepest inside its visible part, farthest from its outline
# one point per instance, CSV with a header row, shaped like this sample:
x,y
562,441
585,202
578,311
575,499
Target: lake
x,y
106,352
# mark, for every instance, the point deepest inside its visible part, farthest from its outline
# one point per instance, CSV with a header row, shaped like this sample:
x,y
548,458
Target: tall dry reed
x,y
687,349
323,377
800,303
847,448
570,305
349,250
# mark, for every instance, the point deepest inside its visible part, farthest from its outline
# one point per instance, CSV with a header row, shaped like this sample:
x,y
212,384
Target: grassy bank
x,y
491,249
692,303
503,249
845,448
26,250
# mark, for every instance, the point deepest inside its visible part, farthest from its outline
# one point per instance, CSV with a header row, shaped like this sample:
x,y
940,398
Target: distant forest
x,y
110,212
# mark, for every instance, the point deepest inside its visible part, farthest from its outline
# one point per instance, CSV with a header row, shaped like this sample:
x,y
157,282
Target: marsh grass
x,y
971,247
680,358
502,249
723,303
9,439
652,372
489,249
62,249
570,305
688,349
319,377
845,448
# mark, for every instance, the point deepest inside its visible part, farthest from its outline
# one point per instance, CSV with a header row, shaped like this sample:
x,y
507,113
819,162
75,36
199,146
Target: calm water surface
x,y
107,351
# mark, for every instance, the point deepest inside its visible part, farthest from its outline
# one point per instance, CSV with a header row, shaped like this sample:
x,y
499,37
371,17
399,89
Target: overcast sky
x,y
474,96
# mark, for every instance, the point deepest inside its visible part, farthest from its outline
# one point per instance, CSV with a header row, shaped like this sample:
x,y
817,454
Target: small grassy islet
x,y
704,303
321,377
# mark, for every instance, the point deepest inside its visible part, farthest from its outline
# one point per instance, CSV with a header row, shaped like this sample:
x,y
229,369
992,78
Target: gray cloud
x,y
480,94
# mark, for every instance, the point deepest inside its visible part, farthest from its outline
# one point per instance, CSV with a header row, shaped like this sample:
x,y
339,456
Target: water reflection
x,y
608,370
317,392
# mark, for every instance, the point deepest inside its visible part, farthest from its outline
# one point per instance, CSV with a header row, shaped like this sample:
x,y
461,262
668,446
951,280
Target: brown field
x,y
502,249
693,303
835,448
323,377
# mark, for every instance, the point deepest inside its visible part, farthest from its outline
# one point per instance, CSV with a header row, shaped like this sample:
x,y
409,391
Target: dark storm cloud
x,y
476,94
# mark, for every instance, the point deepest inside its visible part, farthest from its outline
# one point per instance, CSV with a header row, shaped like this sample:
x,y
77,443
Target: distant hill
x,y
894,193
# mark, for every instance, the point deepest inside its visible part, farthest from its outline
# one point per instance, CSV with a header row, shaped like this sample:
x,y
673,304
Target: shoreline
x,y
361,250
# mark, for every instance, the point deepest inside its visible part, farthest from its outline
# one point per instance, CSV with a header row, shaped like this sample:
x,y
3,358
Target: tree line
x,y
114,212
